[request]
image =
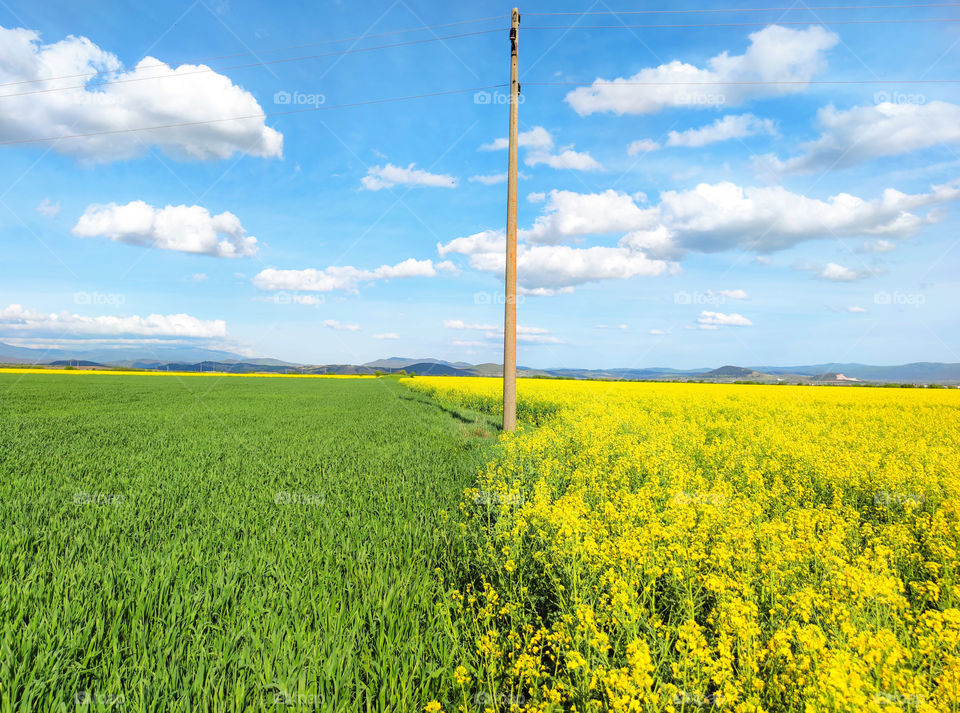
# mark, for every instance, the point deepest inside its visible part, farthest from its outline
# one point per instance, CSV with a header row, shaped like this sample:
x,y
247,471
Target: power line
x,y
743,24
262,115
747,9
616,83
261,63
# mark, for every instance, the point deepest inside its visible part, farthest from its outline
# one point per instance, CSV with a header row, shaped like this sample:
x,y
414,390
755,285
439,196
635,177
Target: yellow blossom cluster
x,y
690,547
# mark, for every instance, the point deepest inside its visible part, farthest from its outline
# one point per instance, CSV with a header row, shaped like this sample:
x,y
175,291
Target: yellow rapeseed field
x,y
684,547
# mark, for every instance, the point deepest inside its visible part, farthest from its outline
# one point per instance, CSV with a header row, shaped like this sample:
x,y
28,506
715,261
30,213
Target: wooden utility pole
x,y
510,292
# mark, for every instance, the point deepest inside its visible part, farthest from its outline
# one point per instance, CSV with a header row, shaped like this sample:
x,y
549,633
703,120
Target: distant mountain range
x,y
185,358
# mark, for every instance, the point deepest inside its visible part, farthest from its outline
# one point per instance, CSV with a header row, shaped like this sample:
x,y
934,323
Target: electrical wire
x,y
744,24
267,51
747,9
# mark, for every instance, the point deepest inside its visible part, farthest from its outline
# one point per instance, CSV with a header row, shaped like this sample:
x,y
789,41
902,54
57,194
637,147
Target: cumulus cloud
x,y
839,273
852,136
775,54
570,214
658,332
536,138
539,143
15,320
188,229
544,269
340,326
713,320
729,127
707,218
724,216
528,335
734,294
642,146
386,335
81,106
389,176
569,159
610,326
48,208
877,246
343,277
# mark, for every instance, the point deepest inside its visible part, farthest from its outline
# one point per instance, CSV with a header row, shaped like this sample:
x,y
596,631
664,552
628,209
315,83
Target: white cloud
x,y
189,229
712,320
707,218
567,159
48,208
198,277
861,133
559,266
343,277
536,197
536,138
386,335
856,310
539,143
724,216
569,214
658,332
526,335
734,294
838,273
490,180
469,343
340,326
16,320
610,326
486,241
388,176
642,146
877,246
460,324
775,54
192,93
729,127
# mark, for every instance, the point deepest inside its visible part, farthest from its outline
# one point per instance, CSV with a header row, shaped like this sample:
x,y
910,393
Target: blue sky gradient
x,y
872,282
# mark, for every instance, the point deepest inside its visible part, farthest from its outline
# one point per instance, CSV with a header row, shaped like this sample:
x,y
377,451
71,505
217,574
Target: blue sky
x,y
729,201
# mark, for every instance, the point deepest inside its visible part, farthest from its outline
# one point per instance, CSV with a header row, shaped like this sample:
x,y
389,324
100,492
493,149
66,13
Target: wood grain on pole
x,y
510,292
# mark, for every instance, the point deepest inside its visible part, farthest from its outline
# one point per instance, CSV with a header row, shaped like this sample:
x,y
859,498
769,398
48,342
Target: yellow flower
x,y
433,707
